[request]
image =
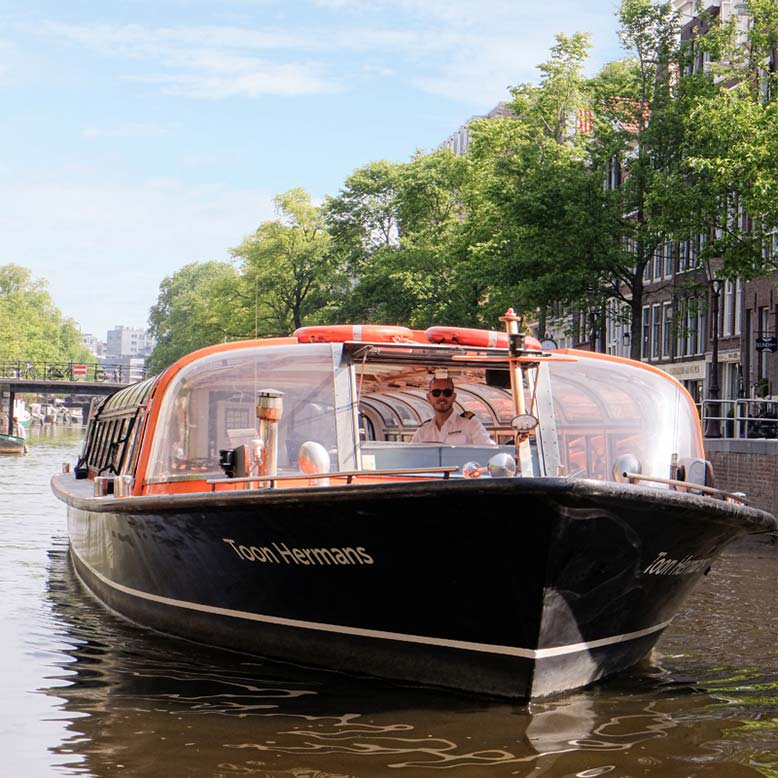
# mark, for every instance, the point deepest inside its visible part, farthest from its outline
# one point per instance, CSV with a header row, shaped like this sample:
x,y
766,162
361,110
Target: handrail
x,y
742,418
349,475
688,485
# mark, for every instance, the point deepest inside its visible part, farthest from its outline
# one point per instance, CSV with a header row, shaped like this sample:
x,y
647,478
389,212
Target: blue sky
x,y
140,135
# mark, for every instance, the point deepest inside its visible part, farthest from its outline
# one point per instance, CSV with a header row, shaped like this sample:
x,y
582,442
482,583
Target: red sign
x,y
79,371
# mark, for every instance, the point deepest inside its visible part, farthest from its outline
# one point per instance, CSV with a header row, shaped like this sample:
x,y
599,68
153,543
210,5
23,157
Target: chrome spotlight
x,y
472,470
502,465
626,463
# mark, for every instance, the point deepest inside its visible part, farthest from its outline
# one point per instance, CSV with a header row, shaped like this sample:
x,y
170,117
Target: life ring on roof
x,y
464,336
363,333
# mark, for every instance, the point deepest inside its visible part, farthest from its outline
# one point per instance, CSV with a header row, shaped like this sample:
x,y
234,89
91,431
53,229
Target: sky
x,y
138,136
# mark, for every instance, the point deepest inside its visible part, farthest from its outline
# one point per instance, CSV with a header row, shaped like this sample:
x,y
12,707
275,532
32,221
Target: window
x,y
656,330
728,323
764,331
667,329
668,252
644,349
683,256
738,313
691,330
680,335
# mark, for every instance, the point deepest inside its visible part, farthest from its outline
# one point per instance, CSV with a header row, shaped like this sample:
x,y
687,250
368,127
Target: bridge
x,y
62,378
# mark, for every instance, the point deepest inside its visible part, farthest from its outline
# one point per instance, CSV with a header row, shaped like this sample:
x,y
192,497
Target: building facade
x,y
124,341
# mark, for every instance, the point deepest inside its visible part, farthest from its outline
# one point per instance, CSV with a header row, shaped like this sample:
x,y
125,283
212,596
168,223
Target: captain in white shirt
x,y
446,426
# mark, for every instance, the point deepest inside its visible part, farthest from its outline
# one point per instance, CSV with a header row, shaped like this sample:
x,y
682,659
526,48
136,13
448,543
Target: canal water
x,y
85,693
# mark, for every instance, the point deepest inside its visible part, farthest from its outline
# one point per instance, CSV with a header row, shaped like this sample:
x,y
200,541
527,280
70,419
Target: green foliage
x,y
725,184
31,327
197,306
398,229
288,264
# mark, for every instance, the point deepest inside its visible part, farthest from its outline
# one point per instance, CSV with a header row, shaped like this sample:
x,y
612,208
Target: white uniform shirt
x,y
458,429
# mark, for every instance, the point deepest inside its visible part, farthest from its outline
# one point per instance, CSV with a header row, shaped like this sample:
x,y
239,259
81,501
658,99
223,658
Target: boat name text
x,y
665,565
281,553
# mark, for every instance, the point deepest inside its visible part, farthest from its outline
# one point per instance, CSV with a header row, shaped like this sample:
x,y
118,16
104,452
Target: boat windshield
x,y
605,408
211,404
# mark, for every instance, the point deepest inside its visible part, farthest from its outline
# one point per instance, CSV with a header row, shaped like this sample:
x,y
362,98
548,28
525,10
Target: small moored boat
x,y
12,444
264,496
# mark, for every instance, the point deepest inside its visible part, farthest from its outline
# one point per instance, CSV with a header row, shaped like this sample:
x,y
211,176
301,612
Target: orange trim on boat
x,y
164,380
362,333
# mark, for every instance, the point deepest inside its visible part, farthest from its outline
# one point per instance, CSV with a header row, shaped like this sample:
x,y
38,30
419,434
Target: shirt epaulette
x,y
426,421
467,415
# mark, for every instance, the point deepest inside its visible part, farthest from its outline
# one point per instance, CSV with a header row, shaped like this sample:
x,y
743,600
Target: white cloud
x,y
465,51
207,62
288,80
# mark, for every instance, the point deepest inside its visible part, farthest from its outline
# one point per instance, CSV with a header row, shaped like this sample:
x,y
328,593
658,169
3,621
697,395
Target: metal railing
x,y
741,419
70,371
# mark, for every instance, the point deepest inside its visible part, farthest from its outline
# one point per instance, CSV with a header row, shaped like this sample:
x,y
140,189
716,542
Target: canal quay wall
x,y
749,466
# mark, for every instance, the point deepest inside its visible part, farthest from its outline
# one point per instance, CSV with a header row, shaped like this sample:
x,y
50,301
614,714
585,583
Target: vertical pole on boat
x,y
515,347
270,407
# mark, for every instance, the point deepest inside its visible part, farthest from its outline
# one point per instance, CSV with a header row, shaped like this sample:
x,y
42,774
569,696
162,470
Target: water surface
x,y
86,693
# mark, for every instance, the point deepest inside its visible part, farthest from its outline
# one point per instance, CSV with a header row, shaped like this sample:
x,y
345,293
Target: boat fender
x,y
466,336
363,333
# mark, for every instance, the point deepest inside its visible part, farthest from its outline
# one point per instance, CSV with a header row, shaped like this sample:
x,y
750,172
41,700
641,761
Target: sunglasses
x,y
444,392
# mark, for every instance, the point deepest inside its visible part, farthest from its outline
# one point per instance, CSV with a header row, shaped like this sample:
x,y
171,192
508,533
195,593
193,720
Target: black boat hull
x,y
511,587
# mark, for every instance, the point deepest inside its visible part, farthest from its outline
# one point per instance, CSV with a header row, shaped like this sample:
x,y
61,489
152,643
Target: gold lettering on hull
x,y
279,553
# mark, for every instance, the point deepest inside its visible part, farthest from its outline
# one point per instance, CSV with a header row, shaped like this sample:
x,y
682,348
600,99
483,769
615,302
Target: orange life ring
x,y
363,333
464,336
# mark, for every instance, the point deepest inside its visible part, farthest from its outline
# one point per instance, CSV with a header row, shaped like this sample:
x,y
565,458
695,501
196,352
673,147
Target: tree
x,y
397,230
541,225
727,184
197,306
32,328
287,264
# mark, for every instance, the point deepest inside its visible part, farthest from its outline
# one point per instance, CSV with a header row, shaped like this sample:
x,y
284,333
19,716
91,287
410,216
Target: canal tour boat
x,y
264,496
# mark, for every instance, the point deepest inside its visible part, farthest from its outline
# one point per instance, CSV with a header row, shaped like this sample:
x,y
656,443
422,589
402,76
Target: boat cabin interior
x,y
295,412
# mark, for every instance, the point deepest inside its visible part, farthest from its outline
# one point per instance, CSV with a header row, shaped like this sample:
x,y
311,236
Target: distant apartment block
x,y
128,342
459,141
96,346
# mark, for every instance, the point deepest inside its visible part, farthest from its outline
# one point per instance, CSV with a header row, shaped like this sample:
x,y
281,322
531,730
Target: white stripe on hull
x,y
525,653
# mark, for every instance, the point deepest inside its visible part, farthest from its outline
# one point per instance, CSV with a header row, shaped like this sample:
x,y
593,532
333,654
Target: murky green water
x,y
85,693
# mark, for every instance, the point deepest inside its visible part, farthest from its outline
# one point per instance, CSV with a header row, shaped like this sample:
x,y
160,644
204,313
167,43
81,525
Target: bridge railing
x,y
70,371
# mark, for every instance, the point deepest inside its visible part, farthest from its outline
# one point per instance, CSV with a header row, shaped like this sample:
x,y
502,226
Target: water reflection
x,y
147,705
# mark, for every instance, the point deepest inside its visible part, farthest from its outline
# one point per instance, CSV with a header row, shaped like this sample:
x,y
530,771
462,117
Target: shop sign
x,y
766,343
686,371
